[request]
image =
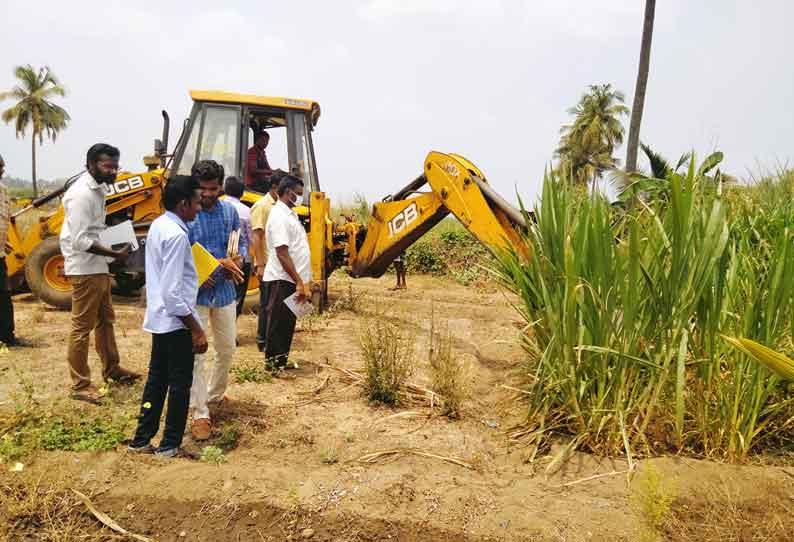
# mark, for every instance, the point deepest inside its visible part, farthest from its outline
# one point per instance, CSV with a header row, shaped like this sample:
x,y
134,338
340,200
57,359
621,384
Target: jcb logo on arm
x,y
403,220
124,185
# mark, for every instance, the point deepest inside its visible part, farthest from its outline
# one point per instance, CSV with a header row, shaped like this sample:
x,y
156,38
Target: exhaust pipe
x,y
166,131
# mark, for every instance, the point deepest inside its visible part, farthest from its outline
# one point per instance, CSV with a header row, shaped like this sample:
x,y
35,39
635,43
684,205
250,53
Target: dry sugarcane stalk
x,y
595,477
375,456
108,521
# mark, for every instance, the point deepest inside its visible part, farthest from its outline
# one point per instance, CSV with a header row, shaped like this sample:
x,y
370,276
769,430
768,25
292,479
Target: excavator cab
x,y
222,126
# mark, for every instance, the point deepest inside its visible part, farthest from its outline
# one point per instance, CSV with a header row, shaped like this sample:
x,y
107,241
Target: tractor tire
x,y
128,284
44,274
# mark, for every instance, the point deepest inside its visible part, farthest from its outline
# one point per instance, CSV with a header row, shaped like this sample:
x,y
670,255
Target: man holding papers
x,y
86,265
171,318
217,298
287,273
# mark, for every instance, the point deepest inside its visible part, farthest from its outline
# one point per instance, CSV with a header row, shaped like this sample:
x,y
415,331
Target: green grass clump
x,y
625,309
388,353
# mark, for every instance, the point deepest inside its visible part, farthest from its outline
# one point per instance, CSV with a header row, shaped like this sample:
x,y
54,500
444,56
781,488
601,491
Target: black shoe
x,y
145,449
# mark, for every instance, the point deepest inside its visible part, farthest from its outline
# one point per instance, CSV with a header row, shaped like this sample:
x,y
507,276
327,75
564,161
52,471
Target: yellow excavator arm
x,y
457,187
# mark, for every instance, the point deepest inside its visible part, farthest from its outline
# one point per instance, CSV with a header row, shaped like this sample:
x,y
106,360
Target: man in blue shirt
x,y
171,318
217,298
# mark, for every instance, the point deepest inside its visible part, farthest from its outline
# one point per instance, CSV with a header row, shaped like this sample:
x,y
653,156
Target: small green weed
x,y
651,501
251,372
329,455
229,436
213,455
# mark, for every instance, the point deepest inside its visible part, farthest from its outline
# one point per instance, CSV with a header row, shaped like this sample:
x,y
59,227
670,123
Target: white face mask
x,y
298,199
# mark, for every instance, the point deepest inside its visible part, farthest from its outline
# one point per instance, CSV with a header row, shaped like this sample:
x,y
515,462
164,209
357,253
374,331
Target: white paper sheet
x,y
120,234
299,309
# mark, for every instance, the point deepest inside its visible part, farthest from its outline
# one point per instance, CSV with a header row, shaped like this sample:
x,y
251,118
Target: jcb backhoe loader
x,y
221,127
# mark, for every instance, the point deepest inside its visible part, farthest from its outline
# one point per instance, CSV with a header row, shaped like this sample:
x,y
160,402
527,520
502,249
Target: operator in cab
x,y
257,168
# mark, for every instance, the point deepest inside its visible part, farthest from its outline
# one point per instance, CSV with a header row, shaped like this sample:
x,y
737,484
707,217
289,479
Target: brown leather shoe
x,y
201,429
122,375
89,394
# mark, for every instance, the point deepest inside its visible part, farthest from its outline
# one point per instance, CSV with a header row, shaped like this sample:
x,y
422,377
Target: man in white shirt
x,y
86,265
288,271
259,213
171,318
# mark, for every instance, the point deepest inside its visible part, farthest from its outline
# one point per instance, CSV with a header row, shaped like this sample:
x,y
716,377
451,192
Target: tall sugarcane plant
x,y
625,309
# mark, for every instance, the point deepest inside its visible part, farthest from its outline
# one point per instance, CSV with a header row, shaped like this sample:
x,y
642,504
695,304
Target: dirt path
x,y
295,471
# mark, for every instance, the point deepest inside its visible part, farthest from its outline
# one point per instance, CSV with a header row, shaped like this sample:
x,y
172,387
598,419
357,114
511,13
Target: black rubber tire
x,y
34,275
128,284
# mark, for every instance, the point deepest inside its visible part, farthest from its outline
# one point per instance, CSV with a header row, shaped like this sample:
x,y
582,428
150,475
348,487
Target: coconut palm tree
x,y
34,108
587,145
639,89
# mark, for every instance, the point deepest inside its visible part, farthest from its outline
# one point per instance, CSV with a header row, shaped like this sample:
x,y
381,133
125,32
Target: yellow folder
x,y
206,263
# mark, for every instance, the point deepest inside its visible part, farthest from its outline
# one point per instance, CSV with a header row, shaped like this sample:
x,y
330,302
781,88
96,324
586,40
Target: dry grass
x,y
448,373
723,513
389,358
31,511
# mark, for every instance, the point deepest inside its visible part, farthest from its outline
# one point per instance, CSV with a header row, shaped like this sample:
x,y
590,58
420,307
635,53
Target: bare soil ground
x,y
295,473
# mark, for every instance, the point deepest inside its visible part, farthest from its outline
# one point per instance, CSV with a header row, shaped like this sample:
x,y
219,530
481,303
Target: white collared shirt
x,y
285,228
171,277
84,219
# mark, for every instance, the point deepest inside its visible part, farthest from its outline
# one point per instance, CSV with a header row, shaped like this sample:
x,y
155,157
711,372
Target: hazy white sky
x,y
489,79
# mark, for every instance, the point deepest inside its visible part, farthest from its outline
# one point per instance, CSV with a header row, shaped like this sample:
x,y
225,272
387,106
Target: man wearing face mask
x,y
86,265
288,271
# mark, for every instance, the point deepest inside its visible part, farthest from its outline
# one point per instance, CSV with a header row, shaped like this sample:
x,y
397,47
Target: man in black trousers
x,y
288,271
171,318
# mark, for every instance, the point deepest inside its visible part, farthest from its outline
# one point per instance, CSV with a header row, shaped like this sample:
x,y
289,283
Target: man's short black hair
x,y
276,177
98,149
260,134
289,182
234,187
207,170
179,188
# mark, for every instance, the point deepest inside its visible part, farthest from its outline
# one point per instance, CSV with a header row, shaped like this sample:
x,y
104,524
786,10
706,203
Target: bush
x,y
388,353
423,257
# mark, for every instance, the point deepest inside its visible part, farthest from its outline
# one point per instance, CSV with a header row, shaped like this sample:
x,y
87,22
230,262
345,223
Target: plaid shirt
x,y
5,217
212,229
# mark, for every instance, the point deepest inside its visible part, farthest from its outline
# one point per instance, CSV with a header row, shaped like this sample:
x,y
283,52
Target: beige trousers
x,y
209,383
92,309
